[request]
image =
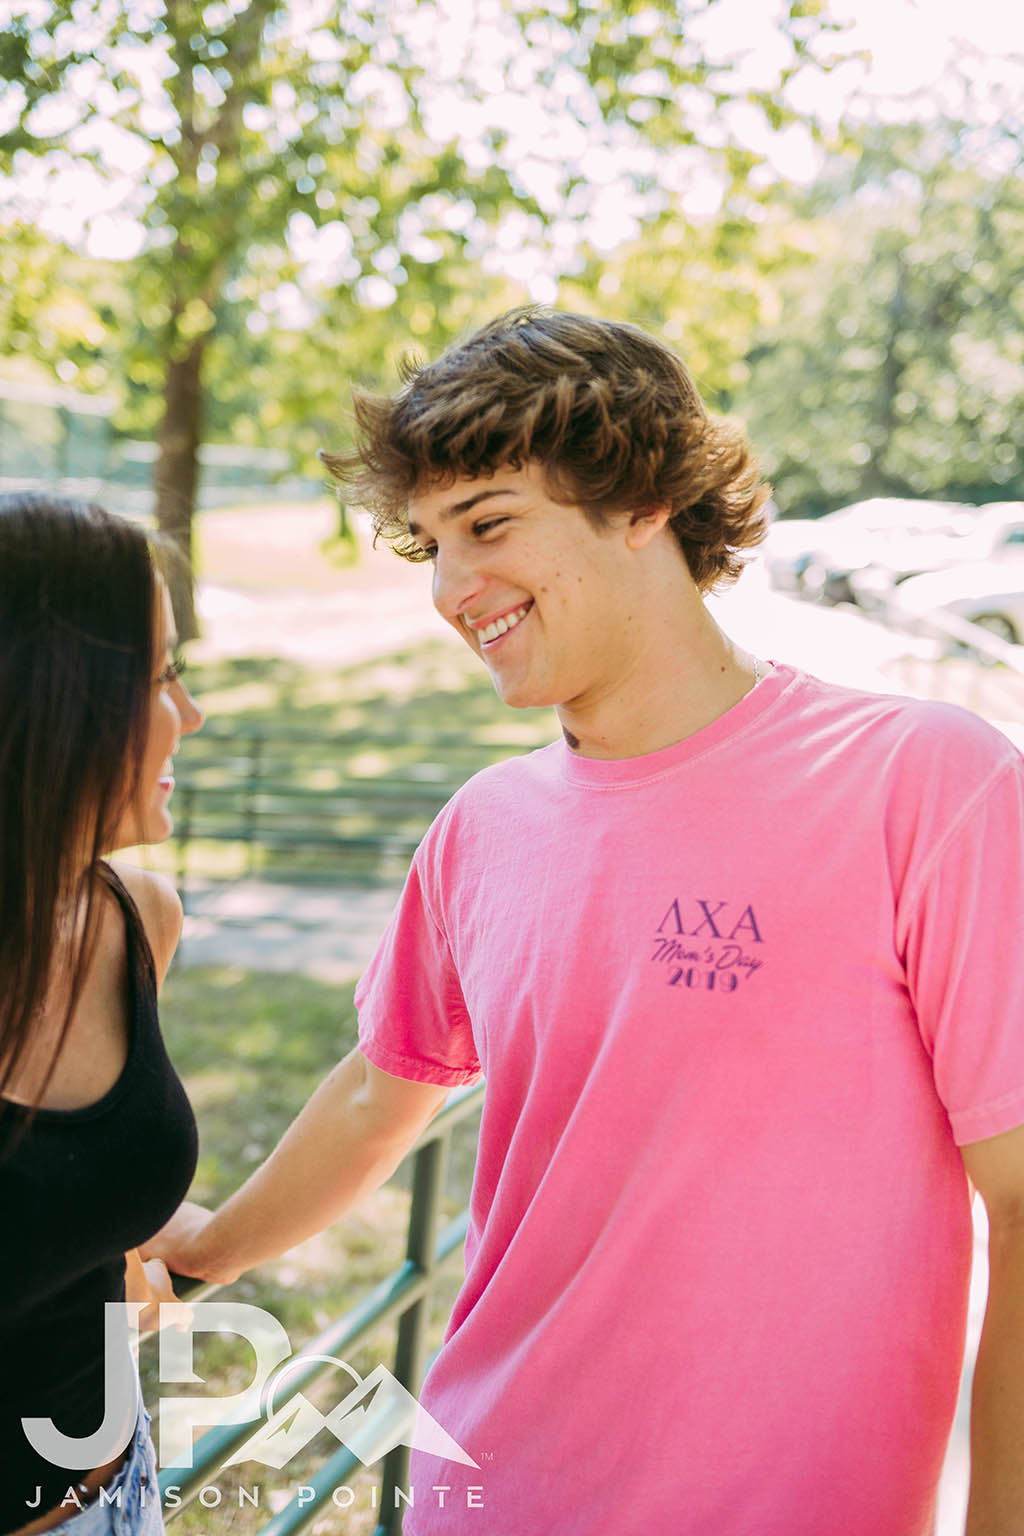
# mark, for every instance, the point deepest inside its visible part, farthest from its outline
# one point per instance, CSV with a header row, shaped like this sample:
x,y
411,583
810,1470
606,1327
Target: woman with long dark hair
x,y
97,1139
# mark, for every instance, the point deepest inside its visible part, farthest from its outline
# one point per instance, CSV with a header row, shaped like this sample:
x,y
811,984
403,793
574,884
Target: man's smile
x,y
489,630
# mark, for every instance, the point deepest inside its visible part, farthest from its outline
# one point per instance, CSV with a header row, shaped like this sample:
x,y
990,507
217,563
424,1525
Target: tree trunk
x,y
177,476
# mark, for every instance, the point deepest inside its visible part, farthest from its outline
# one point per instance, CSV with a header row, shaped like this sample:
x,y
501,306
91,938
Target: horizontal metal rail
x,y
261,788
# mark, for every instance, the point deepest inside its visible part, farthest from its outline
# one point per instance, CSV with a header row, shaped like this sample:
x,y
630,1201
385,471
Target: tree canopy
x,y
300,194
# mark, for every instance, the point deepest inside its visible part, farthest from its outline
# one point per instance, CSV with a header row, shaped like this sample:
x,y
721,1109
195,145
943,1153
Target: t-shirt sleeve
x,y
964,962
413,1020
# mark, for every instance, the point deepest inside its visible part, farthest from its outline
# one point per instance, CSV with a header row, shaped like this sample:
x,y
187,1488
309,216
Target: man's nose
x,y
456,583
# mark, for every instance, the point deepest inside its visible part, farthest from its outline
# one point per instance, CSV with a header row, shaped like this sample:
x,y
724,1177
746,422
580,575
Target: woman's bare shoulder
x,y
159,907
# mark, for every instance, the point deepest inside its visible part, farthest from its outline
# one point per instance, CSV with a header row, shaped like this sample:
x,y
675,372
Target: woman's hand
x,y
147,1282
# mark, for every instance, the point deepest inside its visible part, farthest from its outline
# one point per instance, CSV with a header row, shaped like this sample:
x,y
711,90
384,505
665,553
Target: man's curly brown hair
x,y
608,411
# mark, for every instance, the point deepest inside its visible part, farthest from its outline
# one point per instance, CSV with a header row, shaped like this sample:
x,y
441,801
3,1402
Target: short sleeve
x,y
413,1020
965,960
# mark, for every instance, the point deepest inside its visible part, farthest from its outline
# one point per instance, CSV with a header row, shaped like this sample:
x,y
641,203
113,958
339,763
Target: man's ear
x,y
644,525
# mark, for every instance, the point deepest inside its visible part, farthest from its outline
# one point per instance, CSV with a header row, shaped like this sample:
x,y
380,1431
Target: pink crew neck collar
x,y
601,772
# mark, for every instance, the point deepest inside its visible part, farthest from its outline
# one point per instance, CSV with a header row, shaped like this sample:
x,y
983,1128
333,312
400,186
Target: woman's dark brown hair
x,y
609,411
77,642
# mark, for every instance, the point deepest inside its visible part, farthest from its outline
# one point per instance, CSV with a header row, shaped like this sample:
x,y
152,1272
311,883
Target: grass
x,y
250,1049
393,708
414,692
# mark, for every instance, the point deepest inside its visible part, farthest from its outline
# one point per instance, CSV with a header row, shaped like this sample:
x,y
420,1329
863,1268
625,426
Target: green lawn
x,y
394,709
415,692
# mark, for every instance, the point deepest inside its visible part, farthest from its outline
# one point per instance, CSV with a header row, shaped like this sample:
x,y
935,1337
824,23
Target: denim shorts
x,y
130,1504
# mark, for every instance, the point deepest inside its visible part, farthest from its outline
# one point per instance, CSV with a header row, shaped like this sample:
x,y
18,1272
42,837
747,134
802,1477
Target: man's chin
x,y
521,695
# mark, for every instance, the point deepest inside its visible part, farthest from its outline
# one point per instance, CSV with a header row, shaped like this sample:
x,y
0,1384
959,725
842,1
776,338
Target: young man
x,y
737,959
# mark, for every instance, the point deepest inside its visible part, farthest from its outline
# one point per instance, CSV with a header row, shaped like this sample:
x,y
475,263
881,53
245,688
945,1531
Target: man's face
x,y
542,596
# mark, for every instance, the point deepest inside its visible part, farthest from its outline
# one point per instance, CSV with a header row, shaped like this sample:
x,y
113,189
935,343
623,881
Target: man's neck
x,y
679,683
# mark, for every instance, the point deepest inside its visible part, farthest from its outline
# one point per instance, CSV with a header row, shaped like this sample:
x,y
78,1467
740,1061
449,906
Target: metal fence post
x,y
411,1348
255,769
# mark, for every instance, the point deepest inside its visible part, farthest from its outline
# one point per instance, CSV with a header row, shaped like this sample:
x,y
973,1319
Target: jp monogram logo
x,y
375,1415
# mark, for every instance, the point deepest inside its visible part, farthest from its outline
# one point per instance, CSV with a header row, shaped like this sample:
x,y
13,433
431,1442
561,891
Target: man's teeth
x,y
500,626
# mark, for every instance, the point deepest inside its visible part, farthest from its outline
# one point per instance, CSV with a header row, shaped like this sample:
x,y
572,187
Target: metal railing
x,y
405,1296
973,637
307,804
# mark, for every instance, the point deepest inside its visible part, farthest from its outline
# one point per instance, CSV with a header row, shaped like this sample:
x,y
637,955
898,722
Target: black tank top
x,y
80,1189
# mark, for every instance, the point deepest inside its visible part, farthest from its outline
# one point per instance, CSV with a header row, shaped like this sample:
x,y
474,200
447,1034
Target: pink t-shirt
x,y
737,1002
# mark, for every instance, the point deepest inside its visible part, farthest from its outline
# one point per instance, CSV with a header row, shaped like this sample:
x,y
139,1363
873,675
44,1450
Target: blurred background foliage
x,y
220,214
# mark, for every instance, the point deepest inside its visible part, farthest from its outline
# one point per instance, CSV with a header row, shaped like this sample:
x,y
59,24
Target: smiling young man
x,y
736,958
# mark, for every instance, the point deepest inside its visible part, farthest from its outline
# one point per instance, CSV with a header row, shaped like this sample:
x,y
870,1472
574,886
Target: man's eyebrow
x,y
456,510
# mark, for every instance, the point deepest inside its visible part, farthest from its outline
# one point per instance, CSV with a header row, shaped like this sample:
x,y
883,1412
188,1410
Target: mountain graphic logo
x,y
377,1415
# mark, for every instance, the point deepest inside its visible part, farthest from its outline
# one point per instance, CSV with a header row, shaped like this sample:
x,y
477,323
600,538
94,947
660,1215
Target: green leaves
x,y
895,364
317,191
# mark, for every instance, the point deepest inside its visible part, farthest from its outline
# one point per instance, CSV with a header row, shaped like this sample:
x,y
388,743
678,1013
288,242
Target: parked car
x,y
818,559
788,547
992,530
987,592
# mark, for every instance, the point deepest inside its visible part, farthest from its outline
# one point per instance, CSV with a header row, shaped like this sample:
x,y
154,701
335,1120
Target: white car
x,y
819,556
987,592
992,531
787,543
